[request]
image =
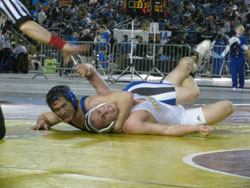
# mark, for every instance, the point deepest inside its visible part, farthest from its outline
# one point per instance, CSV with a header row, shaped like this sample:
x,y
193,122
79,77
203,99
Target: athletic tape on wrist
x,y
57,42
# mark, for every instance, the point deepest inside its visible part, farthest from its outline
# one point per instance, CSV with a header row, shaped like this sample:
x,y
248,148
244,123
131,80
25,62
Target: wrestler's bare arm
x,y
46,121
94,78
168,130
139,123
124,101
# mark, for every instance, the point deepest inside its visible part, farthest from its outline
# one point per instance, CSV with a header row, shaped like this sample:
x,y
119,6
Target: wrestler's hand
x,y
40,124
85,70
205,129
69,49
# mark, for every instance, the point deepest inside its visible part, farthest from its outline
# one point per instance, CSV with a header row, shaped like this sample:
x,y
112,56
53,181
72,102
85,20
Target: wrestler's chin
x,y
66,119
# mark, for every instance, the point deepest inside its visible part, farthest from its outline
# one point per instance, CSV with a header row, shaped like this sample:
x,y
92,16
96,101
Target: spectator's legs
x,y
241,69
233,67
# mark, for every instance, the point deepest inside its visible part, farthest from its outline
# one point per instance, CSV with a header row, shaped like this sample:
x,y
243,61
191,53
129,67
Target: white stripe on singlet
x,y
165,96
13,9
159,91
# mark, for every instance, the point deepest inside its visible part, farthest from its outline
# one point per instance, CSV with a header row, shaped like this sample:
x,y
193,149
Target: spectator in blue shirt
x,y
105,37
125,45
125,49
238,55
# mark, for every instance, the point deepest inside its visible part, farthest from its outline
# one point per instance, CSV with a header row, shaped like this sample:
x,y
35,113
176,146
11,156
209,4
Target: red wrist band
x,y
57,42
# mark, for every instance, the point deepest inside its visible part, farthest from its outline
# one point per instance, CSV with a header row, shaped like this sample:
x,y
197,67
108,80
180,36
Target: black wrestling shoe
x,y
2,125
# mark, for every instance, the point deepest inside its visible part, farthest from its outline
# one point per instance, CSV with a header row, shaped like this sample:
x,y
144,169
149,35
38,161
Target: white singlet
x,y
170,114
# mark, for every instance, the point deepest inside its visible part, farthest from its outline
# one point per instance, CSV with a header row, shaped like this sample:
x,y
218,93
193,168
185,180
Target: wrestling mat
x,y
65,157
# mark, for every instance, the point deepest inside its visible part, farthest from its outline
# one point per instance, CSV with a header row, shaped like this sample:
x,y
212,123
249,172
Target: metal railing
x,y
147,59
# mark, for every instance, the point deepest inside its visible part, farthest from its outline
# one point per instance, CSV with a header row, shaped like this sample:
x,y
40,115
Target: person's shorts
x,y
163,92
194,116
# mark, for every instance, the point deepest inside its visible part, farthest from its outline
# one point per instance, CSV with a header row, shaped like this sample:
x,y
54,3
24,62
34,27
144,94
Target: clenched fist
x,y
85,70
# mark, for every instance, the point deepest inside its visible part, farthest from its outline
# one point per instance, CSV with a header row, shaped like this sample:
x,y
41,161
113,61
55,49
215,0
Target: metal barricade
x,y
214,64
147,58
99,54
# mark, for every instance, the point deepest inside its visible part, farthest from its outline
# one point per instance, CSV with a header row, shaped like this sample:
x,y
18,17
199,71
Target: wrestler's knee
x,y
186,63
228,107
192,95
195,94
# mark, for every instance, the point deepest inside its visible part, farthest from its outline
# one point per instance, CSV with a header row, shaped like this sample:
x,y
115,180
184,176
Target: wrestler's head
x,y
62,101
101,118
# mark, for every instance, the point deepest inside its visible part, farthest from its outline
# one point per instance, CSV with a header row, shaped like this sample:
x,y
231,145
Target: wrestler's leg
x,y
186,89
188,65
200,52
218,111
2,125
187,95
181,72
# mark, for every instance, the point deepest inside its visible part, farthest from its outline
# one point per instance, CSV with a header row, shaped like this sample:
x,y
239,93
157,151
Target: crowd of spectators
x,y
79,15
189,20
197,20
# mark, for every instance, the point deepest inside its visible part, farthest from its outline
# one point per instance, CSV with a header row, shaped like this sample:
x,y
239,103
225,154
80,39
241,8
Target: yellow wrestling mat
x,y
65,157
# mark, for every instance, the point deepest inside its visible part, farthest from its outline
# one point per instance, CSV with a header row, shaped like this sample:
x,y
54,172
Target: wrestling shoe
x,y
2,125
200,52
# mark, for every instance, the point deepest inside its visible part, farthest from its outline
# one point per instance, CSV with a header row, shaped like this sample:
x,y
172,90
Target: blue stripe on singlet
x,y
170,101
83,104
143,82
148,90
132,84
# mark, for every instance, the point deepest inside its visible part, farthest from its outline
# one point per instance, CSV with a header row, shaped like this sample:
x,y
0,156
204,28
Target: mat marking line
x,y
189,160
95,177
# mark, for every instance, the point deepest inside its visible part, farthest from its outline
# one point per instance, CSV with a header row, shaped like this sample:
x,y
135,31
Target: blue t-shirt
x,y
104,40
125,47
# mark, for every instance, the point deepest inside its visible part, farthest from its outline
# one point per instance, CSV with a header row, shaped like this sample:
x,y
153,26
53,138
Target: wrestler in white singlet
x,y
170,114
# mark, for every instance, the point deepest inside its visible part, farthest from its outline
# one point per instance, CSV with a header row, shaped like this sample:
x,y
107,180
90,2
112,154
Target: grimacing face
x,y
64,109
104,115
